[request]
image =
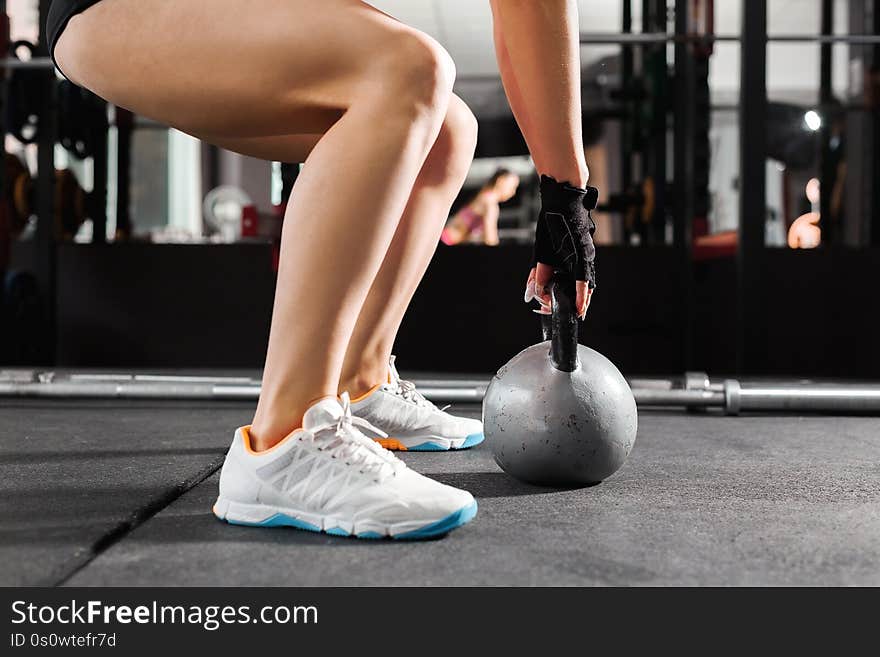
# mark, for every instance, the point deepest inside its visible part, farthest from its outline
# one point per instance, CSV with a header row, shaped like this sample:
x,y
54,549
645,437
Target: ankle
x,y
362,382
270,428
264,436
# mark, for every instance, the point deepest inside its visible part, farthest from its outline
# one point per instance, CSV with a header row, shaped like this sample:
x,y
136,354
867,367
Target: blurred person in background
x,y
477,222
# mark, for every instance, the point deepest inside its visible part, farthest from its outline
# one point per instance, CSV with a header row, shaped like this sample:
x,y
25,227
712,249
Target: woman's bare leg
x,y
414,243
411,250
280,148
279,68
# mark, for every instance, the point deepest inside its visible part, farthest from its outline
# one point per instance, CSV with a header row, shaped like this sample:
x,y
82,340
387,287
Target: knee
x,y
450,158
418,73
460,130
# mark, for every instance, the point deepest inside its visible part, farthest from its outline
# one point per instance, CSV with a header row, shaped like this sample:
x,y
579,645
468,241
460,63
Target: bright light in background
x,y
813,120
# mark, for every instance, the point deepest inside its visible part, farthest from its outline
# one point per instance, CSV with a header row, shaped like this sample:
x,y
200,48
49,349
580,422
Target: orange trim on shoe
x,y
392,444
366,394
246,439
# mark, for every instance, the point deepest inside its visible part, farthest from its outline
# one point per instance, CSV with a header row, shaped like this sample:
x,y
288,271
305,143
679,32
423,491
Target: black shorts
x,y
61,11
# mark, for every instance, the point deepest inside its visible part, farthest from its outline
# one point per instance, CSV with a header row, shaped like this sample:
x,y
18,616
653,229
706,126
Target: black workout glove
x,y
564,235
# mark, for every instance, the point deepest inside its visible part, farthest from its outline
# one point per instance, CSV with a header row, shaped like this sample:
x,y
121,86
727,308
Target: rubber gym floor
x,y
120,493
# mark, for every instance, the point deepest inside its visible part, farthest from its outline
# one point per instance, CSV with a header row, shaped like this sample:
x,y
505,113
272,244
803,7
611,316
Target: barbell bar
x,y
694,390
34,62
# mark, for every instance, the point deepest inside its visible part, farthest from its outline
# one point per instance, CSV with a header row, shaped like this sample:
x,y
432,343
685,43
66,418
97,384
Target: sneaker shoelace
x,y
347,443
407,389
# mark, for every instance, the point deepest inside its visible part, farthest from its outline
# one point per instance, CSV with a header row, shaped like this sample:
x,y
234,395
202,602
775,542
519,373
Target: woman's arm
x,y
490,224
538,50
455,232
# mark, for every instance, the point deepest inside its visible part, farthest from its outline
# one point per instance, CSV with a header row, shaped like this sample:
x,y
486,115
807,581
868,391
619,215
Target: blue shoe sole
x,y
450,522
439,528
471,441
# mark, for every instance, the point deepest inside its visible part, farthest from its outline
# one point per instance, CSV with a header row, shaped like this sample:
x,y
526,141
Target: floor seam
x,y
135,520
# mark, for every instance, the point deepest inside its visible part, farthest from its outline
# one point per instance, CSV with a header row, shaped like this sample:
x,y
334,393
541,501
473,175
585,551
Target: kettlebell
x,y
560,413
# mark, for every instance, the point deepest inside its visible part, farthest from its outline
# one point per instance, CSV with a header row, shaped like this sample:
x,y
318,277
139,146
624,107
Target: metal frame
x,y
826,97
124,123
627,128
683,146
97,199
44,254
692,391
875,194
753,185
655,69
612,38
4,91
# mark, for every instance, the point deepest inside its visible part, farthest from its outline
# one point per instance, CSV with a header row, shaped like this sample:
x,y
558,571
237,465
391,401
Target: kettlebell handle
x,y
561,327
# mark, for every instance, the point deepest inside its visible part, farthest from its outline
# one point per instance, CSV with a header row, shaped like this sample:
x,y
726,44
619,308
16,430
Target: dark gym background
x,y
669,299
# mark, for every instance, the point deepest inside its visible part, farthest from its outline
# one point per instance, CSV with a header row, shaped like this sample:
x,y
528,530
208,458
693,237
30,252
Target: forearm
x,y
538,49
490,227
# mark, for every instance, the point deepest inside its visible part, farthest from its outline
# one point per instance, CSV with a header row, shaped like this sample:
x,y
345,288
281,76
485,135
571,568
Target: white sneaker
x,y
329,477
411,421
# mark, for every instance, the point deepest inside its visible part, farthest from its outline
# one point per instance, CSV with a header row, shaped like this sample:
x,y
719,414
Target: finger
x,y
581,298
543,276
530,286
589,298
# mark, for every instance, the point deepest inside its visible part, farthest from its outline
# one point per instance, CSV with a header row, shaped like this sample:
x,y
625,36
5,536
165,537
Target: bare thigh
x,y
236,68
281,148
296,148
